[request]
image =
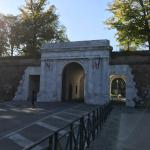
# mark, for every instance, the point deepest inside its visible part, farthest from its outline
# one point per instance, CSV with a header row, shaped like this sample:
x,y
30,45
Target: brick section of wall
x,y
11,71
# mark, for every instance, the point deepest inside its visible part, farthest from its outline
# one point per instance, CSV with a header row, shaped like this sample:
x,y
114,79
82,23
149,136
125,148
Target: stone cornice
x,y
73,57
77,46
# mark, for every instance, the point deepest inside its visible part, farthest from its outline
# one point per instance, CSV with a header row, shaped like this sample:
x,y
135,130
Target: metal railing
x,y
77,135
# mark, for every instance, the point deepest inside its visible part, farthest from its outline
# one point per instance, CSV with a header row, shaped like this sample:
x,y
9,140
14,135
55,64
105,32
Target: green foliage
x,y
24,34
131,19
8,35
38,25
12,34
3,37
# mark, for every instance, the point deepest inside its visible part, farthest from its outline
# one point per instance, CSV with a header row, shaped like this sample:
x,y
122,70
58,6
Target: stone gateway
x,y
80,72
77,71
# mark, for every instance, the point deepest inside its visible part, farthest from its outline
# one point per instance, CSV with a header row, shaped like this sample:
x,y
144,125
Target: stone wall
x,y
131,58
11,71
139,63
142,78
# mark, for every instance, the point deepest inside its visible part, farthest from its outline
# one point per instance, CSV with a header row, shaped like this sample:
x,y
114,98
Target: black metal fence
x,y
77,135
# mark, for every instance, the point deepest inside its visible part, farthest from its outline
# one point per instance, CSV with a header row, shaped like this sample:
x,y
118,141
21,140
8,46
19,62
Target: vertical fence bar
x,y
88,130
71,136
81,144
56,141
97,118
100,119
93,125
50,143
102,111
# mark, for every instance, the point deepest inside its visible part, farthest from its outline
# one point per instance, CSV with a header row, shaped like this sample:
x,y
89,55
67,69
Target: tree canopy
x,y
36,24
131,19
8,35
3,39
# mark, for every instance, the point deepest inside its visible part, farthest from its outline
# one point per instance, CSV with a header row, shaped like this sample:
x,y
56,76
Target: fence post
x,y
103,115
56,141
50,143
97,118
93,125
88,130
70,136
81,144
100,118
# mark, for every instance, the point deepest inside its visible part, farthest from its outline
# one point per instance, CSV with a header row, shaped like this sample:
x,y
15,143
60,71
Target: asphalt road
x,y
22,125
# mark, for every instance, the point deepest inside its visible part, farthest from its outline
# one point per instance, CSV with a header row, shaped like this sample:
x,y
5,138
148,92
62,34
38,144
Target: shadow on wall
x,y
11,71
9,80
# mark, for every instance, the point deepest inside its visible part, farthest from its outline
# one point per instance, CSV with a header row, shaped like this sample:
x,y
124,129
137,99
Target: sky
x,y
83,19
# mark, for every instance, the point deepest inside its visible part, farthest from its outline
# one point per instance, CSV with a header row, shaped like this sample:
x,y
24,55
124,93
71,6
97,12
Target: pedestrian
x,y
33,99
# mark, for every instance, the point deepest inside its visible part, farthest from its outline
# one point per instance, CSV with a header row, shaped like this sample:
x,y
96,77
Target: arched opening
x,y
118,89
73,77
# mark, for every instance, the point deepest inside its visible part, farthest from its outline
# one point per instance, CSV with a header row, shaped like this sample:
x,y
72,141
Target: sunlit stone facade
x,y
88,79
76,71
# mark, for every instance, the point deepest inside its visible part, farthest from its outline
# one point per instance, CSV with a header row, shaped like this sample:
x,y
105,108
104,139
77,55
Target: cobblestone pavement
x,y
21,125
125,129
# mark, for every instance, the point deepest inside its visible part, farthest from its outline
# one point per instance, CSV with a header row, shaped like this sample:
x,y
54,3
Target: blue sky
x,y
84,19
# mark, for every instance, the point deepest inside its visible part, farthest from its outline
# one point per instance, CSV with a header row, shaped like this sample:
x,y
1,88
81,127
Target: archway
x,y
73,78
118,89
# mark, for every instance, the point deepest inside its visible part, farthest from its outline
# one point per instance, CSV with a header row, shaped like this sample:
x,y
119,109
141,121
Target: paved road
x,y
20,125
125,129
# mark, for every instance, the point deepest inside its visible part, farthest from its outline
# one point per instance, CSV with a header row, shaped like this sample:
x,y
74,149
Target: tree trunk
x,y
12,50
149,43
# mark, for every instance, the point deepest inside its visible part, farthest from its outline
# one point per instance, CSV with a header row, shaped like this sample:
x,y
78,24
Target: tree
x,y
8,35
12,34
131,19
38,25
3,37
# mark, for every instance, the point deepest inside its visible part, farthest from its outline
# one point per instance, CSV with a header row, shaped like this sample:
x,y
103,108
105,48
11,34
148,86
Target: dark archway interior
x,y
73,83
34,84
118,88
